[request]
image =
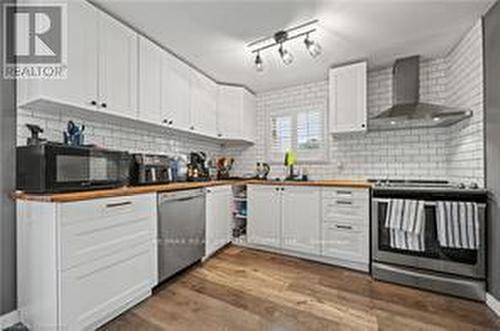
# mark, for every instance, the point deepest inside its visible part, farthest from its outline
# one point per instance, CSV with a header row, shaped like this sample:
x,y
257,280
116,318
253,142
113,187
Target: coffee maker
x,y
197,167
147,169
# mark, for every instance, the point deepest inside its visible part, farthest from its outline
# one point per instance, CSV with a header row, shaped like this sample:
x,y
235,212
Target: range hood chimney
x,y
407,110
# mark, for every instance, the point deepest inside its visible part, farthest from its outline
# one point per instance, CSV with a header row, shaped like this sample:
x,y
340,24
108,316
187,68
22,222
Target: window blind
x,y
299,131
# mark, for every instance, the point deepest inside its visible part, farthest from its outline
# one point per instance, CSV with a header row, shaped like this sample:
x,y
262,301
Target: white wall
x,y
454,153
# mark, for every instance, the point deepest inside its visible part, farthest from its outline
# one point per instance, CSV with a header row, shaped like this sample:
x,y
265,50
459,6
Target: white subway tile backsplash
x,y
117,134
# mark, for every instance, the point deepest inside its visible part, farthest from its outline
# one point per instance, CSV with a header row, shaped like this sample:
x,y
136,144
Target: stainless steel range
x,y
435,266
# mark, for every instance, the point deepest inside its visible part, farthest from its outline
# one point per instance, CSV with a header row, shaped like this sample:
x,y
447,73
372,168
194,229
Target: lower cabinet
x,y
264,215
300,230
92,292
80,264
346,241
345,226
218,223
325,224
284,217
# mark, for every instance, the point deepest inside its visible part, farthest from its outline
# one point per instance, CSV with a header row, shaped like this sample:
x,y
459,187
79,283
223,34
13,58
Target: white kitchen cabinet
x,y
345,226
118,67
264,215
79,89
203,104
80,264
236,116
346,242
229,112
218,223
249,121
301,219
175,92
101,65
348,98
329,225
150,90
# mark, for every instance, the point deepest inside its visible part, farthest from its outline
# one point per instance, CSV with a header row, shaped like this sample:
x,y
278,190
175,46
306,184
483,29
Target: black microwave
x,y
53,167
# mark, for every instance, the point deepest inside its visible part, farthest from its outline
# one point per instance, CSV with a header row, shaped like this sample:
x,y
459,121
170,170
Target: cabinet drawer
x,y
73,212
345,241
89,239
346,194
339,209
93,292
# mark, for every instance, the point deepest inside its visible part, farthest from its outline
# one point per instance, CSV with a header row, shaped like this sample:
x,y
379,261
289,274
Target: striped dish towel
x,y
405,220
458,224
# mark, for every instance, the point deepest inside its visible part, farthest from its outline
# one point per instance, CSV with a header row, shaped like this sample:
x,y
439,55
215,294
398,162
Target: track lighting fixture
x,y
259,65
312,47
282,36
285,55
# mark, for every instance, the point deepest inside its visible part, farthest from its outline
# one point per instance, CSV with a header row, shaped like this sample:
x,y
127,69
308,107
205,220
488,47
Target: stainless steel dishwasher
x,y
181,230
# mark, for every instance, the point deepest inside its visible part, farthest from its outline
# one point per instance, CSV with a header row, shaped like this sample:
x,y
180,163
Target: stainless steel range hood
x,y
407,110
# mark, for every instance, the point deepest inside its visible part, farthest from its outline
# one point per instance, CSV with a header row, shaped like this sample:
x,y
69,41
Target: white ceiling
x,y
212,34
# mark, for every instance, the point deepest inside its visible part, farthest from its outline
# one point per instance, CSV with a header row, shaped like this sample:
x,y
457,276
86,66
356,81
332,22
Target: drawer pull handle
x,y
344,193
118,204
343,227
341,202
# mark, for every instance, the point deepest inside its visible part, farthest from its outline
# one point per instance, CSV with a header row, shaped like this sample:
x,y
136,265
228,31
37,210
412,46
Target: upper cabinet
x,y
235,113
112,69
249,128
101,65
175,92
150,90
229,111
347,98
203,104
79,89
118,68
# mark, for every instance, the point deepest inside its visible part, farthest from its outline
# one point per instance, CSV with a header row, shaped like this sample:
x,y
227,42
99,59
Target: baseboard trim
x,y
9,319
493,303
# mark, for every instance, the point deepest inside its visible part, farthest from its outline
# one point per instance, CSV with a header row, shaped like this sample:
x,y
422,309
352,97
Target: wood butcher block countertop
x,y
131,190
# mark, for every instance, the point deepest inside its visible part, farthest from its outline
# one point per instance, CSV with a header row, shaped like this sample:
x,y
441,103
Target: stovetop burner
x,y
420,183
429,190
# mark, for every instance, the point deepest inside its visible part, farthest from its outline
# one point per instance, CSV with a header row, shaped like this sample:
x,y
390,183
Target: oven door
x,y
72,168
463,262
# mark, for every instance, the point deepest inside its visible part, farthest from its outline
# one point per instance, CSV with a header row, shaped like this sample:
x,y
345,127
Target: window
x,y
300,131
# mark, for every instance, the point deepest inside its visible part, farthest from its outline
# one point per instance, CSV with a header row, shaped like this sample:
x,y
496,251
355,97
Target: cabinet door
x,y
117,67
97,291
230,112
210,223
264,212
218,218
224,215
203,104
347,98
150,61
80,87
301,219
249,117
346,241
175,92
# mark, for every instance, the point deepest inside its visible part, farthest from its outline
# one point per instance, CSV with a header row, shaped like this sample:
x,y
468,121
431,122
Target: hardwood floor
x,y
243,289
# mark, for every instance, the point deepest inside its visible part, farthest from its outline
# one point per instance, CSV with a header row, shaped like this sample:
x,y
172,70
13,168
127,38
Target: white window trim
x,y
321,156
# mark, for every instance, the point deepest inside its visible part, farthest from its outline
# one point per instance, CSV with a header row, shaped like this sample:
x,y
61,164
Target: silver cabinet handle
x,y
344,193
343,202
343,227
118,204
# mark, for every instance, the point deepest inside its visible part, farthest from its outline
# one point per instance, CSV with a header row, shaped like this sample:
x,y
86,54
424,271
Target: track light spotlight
x,y
286,56
312,47
259,65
